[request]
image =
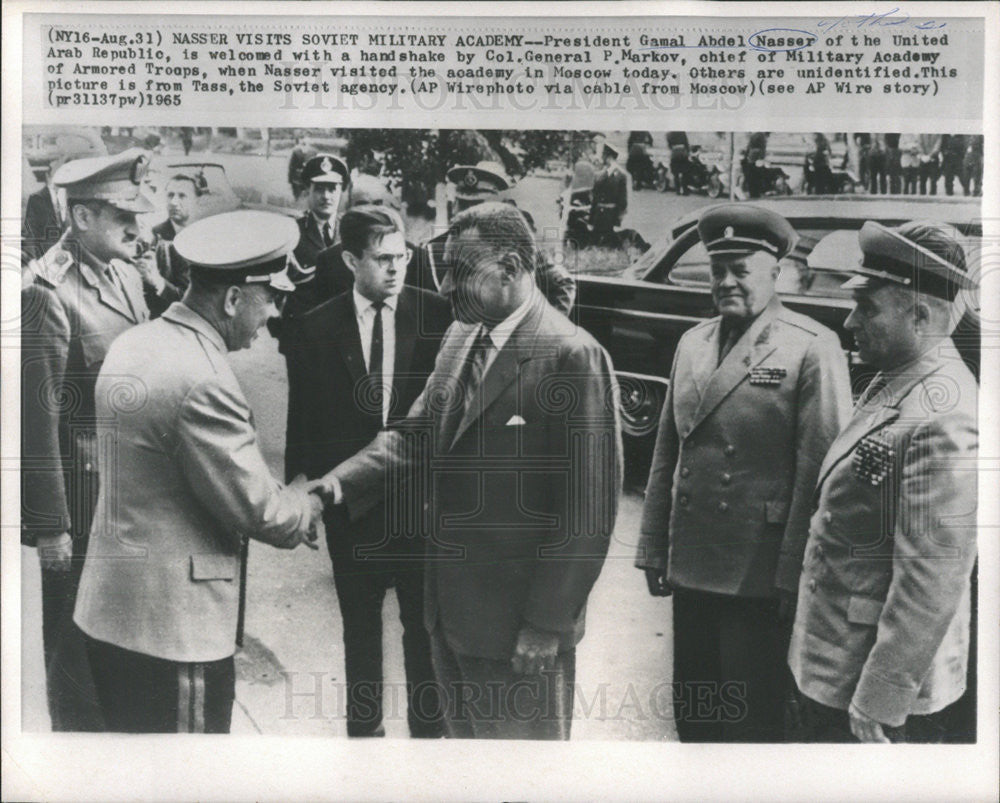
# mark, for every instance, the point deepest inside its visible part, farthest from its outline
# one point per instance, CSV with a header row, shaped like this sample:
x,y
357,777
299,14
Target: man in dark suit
x,y
355,365
476,184
172,276
76,299
520,419
756,397
881,639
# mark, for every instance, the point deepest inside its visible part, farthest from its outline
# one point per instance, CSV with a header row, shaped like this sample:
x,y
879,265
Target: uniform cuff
x,y
883,701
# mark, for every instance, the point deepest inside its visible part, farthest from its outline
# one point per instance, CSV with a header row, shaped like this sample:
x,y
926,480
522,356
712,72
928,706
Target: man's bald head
x,y
370,191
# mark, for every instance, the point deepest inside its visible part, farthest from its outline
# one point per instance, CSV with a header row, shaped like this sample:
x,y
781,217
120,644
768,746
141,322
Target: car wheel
x,y
641,401
661,182
714,186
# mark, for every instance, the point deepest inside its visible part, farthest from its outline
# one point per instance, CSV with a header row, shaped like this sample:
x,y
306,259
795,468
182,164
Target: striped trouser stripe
x,y
191,698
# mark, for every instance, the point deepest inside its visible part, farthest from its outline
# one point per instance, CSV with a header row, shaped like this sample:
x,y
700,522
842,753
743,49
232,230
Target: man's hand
x,y
864,727
55,551
786,605
656,582
536,650
151,276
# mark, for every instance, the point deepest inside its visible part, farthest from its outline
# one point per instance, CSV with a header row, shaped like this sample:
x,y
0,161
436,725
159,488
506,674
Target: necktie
x,y
728,338
327,231
375,362
476,365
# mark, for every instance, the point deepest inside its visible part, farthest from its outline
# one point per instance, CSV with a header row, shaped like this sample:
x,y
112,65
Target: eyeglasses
x,y
386,261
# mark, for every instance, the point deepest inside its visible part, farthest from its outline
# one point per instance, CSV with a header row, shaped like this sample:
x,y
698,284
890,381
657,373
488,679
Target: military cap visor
x,y
242,247
115,180
482,180
744,229
326,169
889,256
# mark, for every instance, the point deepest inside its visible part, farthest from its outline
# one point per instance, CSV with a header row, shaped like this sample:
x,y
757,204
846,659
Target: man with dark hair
x,y
756,397
881,638
163,586
78,297
520,420
170,279
355,365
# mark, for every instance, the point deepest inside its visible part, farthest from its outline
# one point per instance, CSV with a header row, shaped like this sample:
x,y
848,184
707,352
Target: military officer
x,y
609,199
474,184
756,397
881,638
76,299
161,595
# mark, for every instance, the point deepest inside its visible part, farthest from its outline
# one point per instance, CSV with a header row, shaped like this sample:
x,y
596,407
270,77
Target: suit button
x,y
827,516
88,467
683,500
685,472
730,450
726,479
812,585
723,507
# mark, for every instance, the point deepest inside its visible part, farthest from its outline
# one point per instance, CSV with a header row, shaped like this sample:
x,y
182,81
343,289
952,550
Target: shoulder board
x,y
52,266
802,322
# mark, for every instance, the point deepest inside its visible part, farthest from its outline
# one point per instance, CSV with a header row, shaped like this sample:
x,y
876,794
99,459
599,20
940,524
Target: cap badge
x,y
326,165
139,168
471,179
729,232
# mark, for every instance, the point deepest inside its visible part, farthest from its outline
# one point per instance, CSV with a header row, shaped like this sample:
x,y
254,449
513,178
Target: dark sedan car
x,y
640,315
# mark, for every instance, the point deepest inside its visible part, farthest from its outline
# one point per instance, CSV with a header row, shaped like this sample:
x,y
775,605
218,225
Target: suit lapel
x,y
505,368
347,338
751,349
407,332
705,360
107,293
310,231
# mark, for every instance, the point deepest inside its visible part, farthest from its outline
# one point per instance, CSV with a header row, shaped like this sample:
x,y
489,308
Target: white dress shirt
x,y
364,312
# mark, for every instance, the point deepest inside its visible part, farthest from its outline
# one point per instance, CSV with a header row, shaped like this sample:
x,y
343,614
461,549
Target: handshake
x,y
312,526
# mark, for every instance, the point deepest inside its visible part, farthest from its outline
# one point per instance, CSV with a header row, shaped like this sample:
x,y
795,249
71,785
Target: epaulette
x,y
800,321
52,266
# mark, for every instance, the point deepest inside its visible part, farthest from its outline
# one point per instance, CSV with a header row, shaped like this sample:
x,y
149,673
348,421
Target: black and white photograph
x,y
409,440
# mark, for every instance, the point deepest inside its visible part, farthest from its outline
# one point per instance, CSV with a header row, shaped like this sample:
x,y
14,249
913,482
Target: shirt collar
x,y
362,304
500,334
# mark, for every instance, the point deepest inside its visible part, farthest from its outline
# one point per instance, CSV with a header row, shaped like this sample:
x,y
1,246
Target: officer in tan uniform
x,y
75,300
881,639
756,397
160,600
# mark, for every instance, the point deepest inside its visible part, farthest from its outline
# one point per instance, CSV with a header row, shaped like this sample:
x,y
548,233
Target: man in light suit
x,y
75,300
522,483
184,485
756,397
355,364
881,639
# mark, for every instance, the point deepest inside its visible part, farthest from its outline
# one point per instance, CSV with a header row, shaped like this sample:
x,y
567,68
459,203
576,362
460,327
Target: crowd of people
x,y
451,434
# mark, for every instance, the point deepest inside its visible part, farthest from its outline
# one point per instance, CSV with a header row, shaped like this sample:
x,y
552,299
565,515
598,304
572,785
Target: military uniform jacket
x,y
610,194
70,314
738,451
883,613
184,480
522,483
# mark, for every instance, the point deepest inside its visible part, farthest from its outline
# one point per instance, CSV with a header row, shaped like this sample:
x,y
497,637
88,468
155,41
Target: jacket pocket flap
x,y
213,567
776,512
864,610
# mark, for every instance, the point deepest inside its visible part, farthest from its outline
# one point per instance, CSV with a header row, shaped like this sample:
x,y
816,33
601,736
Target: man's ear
x,y
230,300
923,314
512,264
82,216
350,260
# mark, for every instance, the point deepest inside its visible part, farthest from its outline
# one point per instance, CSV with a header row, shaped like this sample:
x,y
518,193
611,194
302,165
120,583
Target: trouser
x,y
951,167
877,179
731,681
142,694
825,724
929,174
485,699
910,175
361,587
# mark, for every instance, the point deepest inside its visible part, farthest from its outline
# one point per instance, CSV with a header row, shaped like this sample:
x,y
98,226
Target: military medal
x,y
763,375
872,459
